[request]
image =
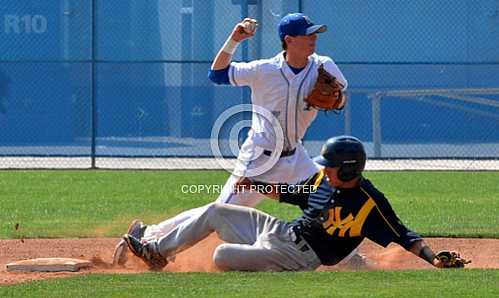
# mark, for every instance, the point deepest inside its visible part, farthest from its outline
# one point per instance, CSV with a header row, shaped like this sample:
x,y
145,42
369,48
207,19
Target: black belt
x,y
283,153
299,239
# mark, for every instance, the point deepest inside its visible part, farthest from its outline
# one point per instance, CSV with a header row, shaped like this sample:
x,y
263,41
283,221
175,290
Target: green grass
x,y
93,203
455,204
102,203
426,283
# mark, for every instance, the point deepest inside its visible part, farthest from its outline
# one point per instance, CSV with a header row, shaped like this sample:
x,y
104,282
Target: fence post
x,y
376,123
94,86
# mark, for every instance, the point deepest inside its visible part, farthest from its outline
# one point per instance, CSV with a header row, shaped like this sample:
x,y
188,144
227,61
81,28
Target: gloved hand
x,y
451,259
327,93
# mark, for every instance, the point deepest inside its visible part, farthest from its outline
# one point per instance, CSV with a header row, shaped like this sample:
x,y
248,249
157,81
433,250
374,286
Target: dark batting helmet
x,y
345,152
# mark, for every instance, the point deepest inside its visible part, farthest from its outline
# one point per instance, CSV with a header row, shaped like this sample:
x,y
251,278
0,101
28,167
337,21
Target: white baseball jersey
x,y
275,87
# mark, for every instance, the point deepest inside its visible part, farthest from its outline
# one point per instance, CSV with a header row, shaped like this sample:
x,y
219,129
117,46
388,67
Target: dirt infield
x,y
484,253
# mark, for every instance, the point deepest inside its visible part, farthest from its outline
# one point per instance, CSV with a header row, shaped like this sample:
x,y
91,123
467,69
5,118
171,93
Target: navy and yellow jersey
x,y
335,221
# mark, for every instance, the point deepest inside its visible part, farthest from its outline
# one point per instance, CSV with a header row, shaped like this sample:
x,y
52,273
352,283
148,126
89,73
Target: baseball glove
x,y
327,93
451,259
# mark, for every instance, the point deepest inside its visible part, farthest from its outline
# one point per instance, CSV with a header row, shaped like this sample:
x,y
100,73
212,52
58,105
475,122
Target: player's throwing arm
x,y
242,31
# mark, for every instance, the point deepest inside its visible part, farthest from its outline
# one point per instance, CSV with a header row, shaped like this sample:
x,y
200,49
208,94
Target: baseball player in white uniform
x,y
278,85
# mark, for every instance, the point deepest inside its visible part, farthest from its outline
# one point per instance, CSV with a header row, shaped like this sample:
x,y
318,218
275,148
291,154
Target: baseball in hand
x,y
249,25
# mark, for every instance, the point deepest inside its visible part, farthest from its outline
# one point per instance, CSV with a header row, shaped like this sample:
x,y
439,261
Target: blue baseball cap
x,y
295,24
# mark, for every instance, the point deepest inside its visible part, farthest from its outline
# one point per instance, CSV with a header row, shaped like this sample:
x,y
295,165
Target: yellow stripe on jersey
x,y
360,218
319,178
352,224
380,213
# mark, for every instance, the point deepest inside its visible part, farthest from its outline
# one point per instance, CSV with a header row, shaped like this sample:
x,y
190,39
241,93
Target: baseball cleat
x,y
137,229
146,253
120,253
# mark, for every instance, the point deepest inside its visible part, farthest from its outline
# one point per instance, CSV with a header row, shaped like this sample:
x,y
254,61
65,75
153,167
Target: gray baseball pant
x,y
255,240
246,198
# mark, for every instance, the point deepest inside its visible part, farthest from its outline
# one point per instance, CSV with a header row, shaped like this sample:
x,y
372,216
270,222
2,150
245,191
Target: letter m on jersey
x,y
354,224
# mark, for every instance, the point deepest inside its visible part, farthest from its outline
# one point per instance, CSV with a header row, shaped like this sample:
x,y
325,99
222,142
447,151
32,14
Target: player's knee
x,y
222,257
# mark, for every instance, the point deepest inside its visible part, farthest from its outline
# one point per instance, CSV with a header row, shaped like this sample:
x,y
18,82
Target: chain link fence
x,y
123,84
